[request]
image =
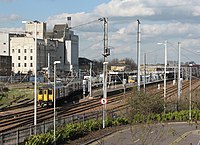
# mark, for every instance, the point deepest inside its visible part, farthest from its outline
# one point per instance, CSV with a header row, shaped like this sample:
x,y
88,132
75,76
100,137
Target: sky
x,y
171,20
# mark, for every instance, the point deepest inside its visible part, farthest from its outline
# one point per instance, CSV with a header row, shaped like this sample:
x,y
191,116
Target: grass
x,y
15,93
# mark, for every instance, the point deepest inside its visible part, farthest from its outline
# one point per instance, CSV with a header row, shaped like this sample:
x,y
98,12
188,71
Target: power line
x,y
84,24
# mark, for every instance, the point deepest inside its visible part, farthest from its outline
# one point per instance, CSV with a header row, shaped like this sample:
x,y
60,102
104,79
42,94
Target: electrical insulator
x,y
107,52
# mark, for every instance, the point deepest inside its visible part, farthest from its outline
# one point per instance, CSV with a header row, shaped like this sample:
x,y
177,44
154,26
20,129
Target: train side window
x,y
50,91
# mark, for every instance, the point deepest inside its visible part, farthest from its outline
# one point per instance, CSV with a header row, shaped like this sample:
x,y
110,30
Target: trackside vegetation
x,y
72,131
168,117
75,131
143,109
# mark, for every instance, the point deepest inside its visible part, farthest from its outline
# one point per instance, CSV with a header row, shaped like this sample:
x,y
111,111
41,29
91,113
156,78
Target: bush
x,y
72,131
171,116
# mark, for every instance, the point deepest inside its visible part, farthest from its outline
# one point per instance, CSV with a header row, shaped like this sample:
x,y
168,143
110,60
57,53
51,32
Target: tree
x,y
127,61
131,63
142,106
98,66
114,61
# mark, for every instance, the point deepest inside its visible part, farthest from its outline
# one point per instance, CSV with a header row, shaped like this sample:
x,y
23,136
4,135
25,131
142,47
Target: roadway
x,y
159,134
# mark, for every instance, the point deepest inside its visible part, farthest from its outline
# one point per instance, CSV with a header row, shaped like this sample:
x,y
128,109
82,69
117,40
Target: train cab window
x,y
50,91
45,92
40,92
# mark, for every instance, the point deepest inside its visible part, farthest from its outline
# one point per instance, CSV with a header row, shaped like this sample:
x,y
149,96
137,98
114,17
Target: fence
x,y
18,136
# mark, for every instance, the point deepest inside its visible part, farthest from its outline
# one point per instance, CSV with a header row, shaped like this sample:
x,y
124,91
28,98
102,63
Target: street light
x,y
138,54
179,74
54,101
165,44
190,99
35,87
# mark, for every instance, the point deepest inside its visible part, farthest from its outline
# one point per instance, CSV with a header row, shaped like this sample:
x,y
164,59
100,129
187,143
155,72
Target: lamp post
x,y
190,98
165,69
145,57
90,86
35,83
138,54
179,74
54,101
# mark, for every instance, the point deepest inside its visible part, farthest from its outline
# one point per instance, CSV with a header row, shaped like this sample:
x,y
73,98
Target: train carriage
x,y
46,93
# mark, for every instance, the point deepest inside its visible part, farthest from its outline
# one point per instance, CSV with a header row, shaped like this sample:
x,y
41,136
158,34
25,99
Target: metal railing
x,y
19,135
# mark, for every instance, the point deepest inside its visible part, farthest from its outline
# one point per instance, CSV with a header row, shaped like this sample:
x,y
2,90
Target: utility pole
x,y
144,72
105,54
49,70
179,74
138,54
35,72
54,103
35,85
90,79
190,98
165,77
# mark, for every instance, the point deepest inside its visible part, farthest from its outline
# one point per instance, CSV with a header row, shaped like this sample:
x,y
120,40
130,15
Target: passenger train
x,y
63,91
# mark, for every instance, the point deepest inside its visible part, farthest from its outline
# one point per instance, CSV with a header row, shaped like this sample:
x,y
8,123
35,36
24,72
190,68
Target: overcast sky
x,y
171,20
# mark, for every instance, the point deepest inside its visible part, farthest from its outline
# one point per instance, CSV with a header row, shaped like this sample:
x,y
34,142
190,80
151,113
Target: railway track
x,y
22,118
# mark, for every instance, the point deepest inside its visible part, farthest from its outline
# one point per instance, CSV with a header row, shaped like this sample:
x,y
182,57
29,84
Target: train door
x,y
46,98
40,96
50,92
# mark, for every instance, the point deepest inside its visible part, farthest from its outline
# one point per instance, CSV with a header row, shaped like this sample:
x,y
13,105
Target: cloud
x,y
173,20
77,18
116,8
11,30
196,11
9,18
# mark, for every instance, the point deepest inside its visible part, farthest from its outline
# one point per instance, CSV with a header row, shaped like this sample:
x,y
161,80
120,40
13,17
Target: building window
x,y
13,64
24,57
18,64
31,50
24,50
31,65
18,57
24,64
31,57
18,50
13,50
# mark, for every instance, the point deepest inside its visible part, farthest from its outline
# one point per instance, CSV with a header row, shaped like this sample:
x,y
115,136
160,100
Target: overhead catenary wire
x,y
184,49
84,24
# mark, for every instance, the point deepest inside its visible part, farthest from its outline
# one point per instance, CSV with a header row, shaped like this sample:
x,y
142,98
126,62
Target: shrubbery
x,y
72,131
171,116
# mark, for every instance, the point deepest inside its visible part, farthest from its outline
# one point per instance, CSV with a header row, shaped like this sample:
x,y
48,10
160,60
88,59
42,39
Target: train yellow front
x,y
46,92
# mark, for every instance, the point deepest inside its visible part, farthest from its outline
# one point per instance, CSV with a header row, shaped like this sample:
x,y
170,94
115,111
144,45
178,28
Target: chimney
x,y
69,22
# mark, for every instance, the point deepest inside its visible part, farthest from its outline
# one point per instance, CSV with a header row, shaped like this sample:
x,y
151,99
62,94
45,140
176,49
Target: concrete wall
x,y
4,44
23,54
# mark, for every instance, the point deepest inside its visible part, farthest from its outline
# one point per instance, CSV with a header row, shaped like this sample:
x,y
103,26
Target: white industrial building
x,y
23,54
61,44
4,44
68,50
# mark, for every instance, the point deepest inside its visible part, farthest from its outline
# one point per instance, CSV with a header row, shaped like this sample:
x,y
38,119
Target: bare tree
x,y
127,61
144,130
